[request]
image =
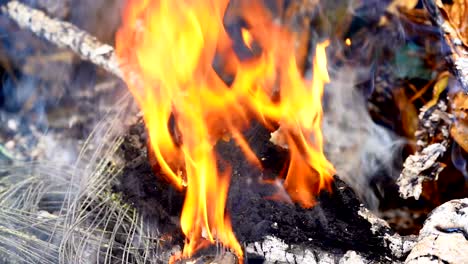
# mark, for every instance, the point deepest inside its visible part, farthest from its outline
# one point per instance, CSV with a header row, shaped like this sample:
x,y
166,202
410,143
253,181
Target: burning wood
x,y
266,87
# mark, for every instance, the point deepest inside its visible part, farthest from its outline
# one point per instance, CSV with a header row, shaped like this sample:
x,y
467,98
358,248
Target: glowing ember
x,y
167,48
348,42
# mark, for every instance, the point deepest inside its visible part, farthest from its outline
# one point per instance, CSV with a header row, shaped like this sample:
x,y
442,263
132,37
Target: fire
x,y
247,37
167,49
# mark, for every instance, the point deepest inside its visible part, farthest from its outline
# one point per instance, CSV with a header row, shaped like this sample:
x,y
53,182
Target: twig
x,y
459,54
63,34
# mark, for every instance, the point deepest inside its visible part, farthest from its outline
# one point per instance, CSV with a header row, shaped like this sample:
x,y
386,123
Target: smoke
x,y
458,160
101,18
359,148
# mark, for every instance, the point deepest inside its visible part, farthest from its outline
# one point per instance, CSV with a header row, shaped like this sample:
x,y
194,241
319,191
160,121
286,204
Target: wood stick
x,y
63,34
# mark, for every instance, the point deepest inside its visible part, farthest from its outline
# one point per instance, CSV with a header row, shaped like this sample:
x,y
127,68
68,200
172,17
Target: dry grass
x,y
67,213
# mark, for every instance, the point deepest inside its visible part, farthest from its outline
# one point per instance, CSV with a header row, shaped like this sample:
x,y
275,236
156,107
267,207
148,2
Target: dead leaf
x,y
409,115
439,87
419,92
459,130
6,65
417,16
456,13
406,4
395,7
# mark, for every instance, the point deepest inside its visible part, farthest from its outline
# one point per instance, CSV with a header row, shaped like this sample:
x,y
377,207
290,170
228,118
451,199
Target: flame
x,y
348,42
167,49
247,37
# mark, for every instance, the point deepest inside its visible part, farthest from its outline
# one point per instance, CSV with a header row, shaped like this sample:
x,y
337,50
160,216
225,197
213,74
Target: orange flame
x,y
167,48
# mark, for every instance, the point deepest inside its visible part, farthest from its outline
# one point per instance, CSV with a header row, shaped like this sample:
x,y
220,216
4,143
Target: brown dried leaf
x,y
439,87
395,7
405,4
417,16
459,130
6,65
409,115
456,13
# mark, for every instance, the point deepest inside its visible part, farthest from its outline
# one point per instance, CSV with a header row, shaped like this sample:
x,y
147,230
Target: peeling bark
x,y
433,139
419,167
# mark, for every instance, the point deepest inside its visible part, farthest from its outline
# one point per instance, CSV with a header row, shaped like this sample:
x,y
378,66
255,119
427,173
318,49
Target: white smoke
x,y
358,147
